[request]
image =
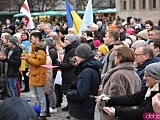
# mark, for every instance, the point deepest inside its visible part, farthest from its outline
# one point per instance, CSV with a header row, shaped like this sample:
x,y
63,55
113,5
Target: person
x,y
101,52
15,108
37,76
111,37
54,56
26,43
156,102
86,83
67,68
122,79
143,98
12,60
144,55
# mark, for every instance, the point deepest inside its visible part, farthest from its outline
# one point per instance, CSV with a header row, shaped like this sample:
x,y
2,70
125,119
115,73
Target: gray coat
x,y
120,80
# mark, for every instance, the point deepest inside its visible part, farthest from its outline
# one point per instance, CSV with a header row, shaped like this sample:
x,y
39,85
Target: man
x,y
153,34
47,29
144,55
12,63
81,106
37,77
142,98
111,37
155,44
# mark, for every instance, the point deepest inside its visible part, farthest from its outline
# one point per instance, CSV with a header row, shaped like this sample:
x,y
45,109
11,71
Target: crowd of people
x,y
120,61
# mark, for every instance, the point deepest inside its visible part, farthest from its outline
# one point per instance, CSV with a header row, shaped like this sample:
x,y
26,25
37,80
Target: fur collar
x,y
154,88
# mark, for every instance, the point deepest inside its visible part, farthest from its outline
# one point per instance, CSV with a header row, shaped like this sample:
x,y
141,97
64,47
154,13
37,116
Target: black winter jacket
x,y
137,99
14,62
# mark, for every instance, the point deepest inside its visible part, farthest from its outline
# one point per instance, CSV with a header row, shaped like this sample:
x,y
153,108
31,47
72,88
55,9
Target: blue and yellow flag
x,y
87,18
73,19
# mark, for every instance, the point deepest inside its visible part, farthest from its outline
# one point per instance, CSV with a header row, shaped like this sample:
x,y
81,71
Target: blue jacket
x,y
140,69
86,83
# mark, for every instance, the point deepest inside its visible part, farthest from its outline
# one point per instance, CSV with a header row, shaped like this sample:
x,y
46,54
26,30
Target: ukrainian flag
x,y
73,19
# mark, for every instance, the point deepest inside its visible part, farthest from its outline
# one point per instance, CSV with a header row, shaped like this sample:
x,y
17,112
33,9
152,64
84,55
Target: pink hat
x,y
130,30
97,43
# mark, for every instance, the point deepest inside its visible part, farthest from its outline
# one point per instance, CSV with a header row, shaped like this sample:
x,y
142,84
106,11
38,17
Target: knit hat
x,y
70,37
103,49
97,43
130,30
13,40
153,70
143,34
82,50
49,41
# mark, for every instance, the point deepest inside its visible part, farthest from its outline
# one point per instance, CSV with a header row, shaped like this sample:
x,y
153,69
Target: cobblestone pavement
x,y
60,115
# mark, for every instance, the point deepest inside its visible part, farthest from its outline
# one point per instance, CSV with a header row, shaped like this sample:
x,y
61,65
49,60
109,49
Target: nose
x,y
144,77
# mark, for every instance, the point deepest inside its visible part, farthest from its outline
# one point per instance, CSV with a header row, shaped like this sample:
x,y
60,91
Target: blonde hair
x,y
57,42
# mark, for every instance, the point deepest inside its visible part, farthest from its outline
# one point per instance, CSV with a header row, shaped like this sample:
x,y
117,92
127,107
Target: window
x,y
154,4
124,5
143,4
134,5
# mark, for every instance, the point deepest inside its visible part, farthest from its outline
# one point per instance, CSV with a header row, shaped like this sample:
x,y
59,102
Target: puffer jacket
x,y
37,76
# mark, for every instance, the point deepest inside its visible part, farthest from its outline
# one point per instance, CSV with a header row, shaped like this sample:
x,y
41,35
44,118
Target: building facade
x,y
145,9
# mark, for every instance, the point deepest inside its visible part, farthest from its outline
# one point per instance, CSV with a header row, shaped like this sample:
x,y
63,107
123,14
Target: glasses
x,y
136,55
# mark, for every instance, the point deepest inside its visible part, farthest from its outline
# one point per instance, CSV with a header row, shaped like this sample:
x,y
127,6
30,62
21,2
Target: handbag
x,y
58,79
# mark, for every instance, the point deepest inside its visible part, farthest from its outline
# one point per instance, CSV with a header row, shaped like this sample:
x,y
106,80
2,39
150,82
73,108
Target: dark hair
x,y
126,53
89,33
36,34
97,34
150,23
156,42
26,33
83,39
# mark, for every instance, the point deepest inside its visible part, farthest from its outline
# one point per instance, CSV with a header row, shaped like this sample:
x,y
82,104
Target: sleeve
x,y
38,59
133,114
81,91
15,61
127,100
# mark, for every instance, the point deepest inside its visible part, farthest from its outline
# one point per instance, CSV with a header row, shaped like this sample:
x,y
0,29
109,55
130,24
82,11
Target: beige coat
x,y
49,74
121,80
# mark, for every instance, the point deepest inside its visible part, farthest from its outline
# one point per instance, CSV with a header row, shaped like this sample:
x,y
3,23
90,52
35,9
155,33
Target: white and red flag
x,y
25,10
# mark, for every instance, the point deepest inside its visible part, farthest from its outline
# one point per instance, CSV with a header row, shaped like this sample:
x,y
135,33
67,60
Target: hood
x,y
15,108
70,46
91,62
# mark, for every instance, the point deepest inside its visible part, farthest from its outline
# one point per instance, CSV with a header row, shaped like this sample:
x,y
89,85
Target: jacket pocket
x,y
35,76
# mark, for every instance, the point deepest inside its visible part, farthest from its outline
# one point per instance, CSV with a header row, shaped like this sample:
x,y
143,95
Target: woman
x,y
25,41
122,79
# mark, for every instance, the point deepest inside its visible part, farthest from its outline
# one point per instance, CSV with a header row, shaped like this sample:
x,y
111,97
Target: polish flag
x,y
25,10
